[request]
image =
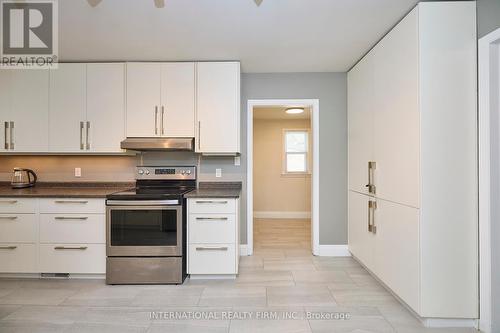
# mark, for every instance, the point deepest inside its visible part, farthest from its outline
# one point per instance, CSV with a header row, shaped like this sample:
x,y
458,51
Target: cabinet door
x,y
397,250
67,108
178,99
361,241
30,110
397,119
218,107
143,99
5,82
360,119
106,106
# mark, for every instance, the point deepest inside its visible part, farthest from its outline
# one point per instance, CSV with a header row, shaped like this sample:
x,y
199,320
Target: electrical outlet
x,y
218,173
237,160
78,172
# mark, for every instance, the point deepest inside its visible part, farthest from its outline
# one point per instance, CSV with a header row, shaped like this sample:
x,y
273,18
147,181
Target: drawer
x,y
18,205
212,228
212,206
212,259
73,228
73,258
17,258
72,206
18,228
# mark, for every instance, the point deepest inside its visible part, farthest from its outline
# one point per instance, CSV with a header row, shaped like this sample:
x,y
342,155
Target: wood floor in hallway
x,y
282,234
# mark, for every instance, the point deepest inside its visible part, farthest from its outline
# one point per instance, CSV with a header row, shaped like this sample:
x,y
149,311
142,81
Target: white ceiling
x,y
278,113
278,36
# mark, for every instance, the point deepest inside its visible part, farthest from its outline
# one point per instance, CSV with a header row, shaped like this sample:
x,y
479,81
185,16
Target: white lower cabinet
x,y
213,236
56,235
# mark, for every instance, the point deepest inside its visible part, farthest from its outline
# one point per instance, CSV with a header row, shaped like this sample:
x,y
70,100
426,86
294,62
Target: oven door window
x,y
144,227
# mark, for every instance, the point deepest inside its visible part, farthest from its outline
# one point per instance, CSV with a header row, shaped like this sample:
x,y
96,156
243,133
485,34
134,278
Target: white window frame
x,y
284,153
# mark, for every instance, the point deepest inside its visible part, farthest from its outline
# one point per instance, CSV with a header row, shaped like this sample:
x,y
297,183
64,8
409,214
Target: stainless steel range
x,y
146,227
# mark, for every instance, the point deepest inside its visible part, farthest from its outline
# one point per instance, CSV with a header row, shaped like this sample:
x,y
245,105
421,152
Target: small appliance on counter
x,y
23,178
146,227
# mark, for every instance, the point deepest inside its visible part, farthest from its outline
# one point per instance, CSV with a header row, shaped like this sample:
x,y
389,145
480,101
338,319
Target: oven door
x,y
141,229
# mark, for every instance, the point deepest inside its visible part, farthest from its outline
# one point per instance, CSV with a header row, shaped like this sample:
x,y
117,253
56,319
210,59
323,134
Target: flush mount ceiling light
x,y
158,3
294,110
258,2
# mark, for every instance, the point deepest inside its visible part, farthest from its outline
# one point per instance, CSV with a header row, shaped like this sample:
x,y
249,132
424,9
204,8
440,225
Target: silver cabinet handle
x,y
372,206
222,248
6,135
11,135
70,248
211,202
71,201
371,186
8,247
162,116
156,120
81,136
71,218
87,136
8,217
8,201
212,218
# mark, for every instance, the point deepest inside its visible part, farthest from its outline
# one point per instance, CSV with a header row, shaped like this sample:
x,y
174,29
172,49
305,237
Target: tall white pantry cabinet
x,y
413,198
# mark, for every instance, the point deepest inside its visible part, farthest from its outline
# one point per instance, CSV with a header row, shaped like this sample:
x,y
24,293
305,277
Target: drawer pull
x,y
211,218
8,247
8,201
71,201
71,218
211,202
223,248
8,217
70,248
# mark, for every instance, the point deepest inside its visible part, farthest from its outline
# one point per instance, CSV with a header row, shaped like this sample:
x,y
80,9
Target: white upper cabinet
x,y
396,115
218,107
67,108
105,107
29,90
143,99
360,90
177,100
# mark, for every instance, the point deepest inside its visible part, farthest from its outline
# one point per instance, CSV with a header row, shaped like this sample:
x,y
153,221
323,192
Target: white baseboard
x,y
243,250
449,323
334,251
281,215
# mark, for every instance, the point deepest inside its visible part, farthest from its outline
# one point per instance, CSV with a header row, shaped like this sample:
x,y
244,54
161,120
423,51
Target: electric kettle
x,y
22,178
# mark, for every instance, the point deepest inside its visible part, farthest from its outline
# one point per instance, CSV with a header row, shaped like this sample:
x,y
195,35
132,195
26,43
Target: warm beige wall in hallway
x,y
274,192
62,168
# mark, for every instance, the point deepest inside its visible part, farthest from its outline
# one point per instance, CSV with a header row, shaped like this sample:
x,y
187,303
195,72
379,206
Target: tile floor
x,y
282,287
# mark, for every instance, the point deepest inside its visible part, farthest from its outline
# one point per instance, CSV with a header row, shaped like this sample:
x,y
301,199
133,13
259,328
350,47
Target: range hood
x,y
158,144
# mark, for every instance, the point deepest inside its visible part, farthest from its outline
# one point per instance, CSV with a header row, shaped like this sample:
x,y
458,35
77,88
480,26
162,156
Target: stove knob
x,y
188,172
147,172
140,171
183,172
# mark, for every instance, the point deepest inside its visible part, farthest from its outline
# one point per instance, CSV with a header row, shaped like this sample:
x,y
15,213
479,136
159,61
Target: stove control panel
x,y
165,172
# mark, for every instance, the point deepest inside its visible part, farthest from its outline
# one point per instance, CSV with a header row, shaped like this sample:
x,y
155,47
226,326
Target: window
x,y
296,151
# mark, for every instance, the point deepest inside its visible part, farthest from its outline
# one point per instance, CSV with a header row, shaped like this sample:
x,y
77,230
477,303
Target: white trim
x,y
485,44
448,323
334,251
311,103
212,277
243,250
281,215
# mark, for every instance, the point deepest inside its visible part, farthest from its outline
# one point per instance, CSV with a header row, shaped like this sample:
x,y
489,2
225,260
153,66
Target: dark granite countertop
x,y
64,190
216,190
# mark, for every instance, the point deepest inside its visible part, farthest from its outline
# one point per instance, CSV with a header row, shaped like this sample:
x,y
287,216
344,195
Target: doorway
x,y
283,175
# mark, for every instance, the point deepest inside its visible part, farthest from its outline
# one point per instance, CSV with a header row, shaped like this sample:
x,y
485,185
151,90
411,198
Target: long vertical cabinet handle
x,y
11,146
156,120
82,146
162,124
6,135
87,139
371,184
372,206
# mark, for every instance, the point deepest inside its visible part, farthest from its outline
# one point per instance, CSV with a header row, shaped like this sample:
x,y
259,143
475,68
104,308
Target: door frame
x,y
307,103
489,46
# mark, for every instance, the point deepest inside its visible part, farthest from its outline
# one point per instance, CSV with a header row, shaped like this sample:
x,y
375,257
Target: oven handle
x,y
142,202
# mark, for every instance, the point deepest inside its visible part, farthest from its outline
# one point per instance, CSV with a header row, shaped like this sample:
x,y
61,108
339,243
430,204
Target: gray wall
x,y
331,90
488,16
